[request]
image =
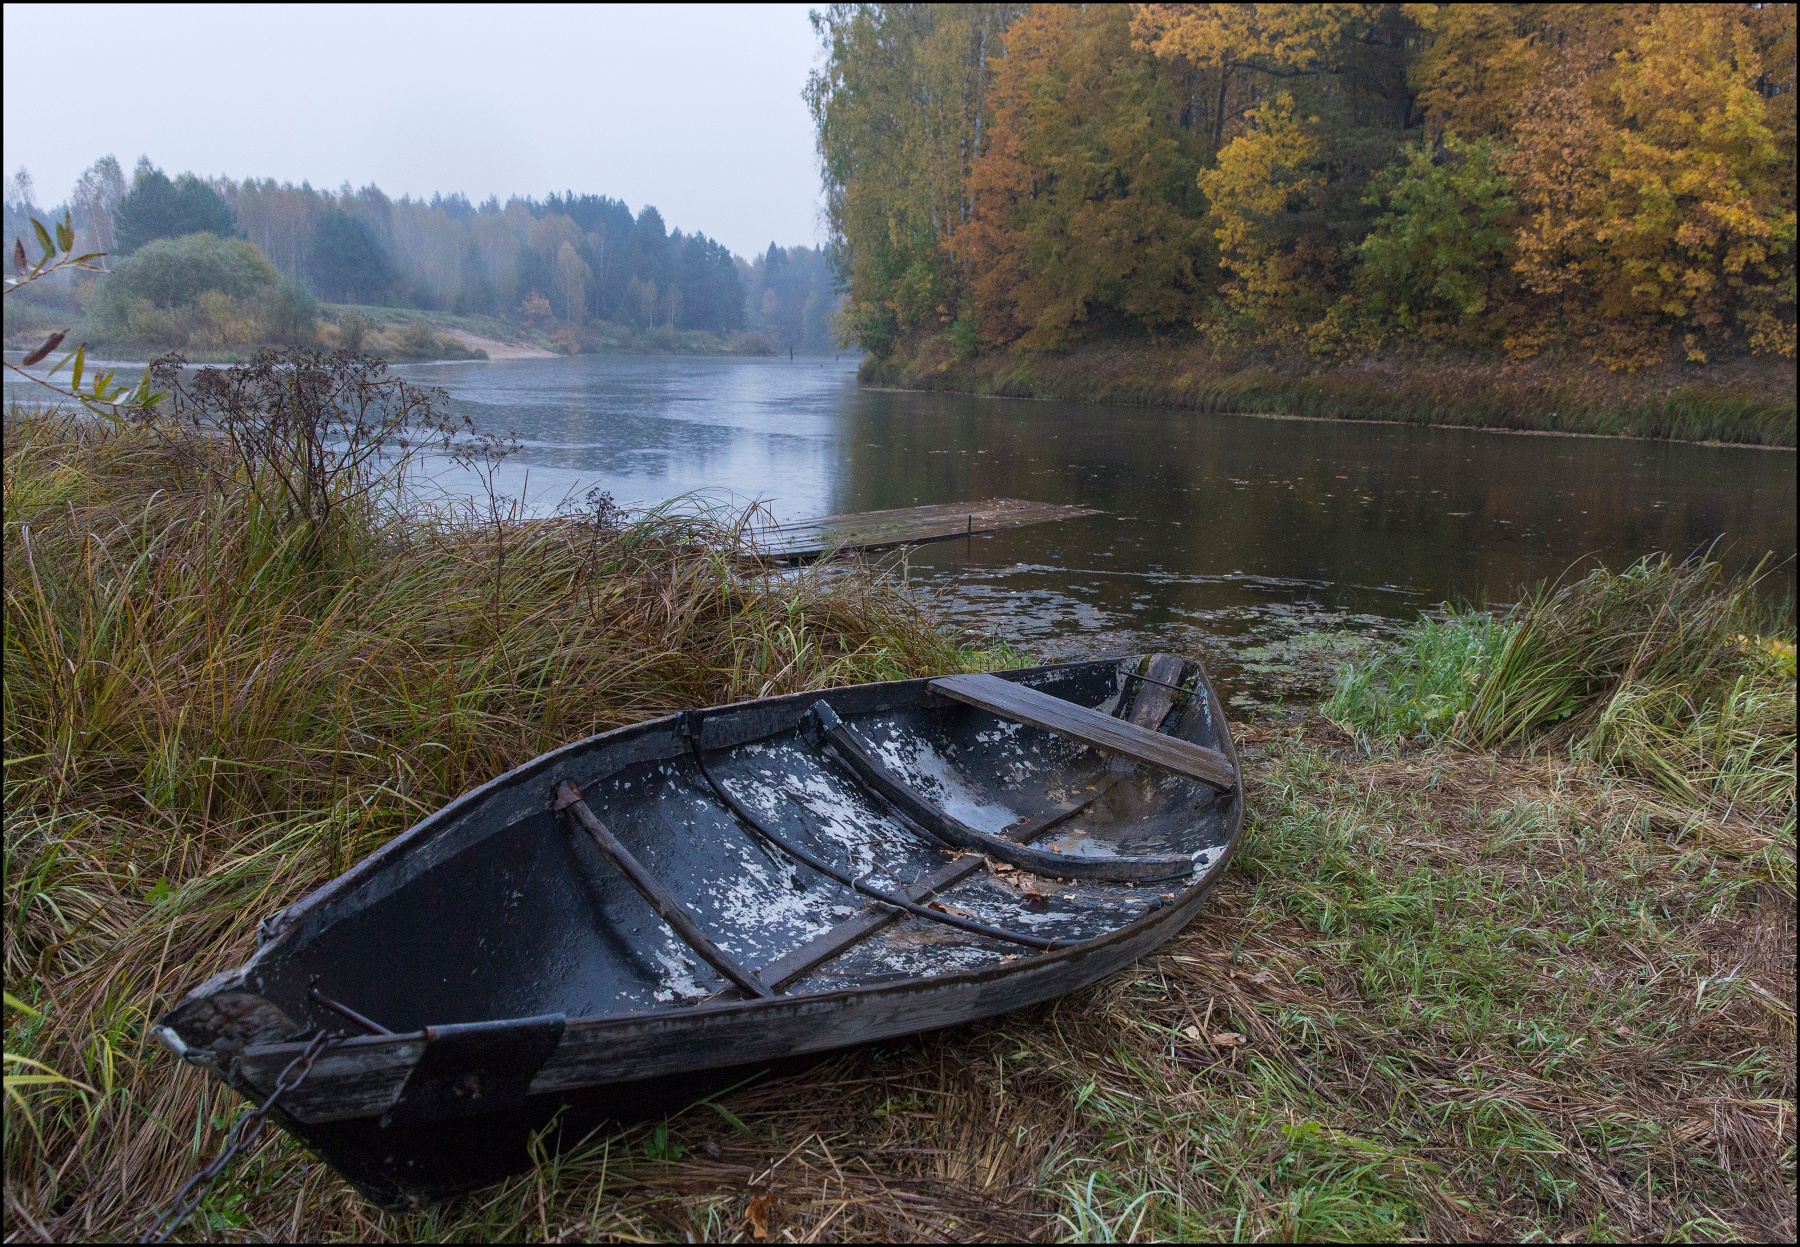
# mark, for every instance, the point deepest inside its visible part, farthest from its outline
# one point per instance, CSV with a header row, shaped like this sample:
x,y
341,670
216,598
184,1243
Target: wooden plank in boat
x,y
1153,695
805,540
1090,727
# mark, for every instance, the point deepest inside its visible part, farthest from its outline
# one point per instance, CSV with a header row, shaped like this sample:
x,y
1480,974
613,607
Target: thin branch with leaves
x,y
103,396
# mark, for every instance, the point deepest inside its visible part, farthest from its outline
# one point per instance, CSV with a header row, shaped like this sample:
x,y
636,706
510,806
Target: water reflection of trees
x,y
1445,512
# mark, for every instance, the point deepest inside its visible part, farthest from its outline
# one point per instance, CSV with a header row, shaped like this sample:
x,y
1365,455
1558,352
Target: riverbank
x,y
1452,988
404,335
1748,401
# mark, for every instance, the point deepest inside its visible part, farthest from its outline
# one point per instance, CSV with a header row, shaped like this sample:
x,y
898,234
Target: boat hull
x,y
406,1164
415,1116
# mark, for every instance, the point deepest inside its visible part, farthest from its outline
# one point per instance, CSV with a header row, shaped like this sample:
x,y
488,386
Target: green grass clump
x,y
1662,671
1424,682
212,705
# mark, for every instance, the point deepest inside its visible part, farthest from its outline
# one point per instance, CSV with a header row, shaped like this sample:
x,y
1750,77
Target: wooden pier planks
x,y
802,541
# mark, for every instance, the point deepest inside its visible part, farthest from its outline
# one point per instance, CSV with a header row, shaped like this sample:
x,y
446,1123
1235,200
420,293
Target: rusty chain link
x,y
243,1133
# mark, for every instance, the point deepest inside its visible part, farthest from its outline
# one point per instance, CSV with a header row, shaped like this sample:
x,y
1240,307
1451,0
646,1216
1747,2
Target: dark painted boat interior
x,y
501,907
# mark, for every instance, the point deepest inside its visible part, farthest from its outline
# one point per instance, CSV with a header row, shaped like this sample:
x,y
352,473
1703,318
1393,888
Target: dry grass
x,y
1478,997
212,706
1443,994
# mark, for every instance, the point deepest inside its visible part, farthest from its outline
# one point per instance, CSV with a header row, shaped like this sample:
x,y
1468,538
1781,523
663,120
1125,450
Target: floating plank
x,y
802,541
1090,727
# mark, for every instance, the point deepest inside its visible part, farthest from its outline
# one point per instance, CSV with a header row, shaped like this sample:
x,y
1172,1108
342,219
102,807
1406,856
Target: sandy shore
x,y
497,350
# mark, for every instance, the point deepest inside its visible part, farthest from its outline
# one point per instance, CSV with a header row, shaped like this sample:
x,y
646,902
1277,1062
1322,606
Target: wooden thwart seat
x,y
1090,727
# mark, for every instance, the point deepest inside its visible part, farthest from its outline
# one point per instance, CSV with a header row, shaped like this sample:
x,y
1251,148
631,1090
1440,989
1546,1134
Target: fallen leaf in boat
x,y
758,1212
1228,1039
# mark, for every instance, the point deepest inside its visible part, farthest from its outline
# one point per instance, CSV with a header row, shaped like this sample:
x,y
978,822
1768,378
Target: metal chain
x,y
243,1133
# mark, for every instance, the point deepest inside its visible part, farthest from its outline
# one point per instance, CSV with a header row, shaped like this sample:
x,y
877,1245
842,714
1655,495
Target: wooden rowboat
x,y
619,927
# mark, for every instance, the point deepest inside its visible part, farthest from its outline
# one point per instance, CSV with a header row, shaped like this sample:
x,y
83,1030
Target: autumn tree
x,y
572,275
1438,261
1658,186
900,107
1086,215
1480,65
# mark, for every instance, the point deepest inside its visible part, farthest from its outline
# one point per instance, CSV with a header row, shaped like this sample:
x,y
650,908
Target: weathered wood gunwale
x,y
365,1096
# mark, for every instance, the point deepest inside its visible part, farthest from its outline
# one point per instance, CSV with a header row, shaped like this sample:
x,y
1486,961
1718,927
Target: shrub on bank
x,y
201,292
402,338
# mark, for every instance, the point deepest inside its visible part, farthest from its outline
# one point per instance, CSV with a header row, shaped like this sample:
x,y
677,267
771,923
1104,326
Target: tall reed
x,y
1672,671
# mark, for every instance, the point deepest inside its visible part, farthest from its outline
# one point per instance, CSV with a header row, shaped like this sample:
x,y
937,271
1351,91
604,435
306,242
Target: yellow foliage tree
x,y
1660,188
1085,214
1264,179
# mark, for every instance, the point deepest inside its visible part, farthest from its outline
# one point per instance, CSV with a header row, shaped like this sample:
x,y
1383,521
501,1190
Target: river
x,y
1256,540
1269,544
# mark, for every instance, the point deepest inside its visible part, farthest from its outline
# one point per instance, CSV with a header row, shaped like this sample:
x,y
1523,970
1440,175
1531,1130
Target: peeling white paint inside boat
x,y
680,981
1206,857
753,903
839,817
947,789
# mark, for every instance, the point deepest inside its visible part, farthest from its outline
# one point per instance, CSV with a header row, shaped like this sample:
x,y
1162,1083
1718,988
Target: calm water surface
x,y
1233,534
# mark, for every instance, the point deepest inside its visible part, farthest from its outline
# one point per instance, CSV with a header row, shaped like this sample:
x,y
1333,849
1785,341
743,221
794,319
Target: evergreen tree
x,y
347,263
158,208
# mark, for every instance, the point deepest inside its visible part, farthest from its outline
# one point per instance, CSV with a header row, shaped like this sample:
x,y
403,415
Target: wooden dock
x,y
803,541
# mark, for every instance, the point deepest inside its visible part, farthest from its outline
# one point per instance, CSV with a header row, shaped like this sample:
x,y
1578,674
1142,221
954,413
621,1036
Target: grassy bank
x,y
403,335
1458,986
1746,401
211,705
596,337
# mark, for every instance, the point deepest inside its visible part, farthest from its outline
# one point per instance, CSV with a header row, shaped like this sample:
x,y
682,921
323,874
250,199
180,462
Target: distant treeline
x,y
1333,178
571,258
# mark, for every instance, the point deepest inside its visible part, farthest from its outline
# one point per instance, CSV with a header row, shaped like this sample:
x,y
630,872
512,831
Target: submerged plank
x,y
1090,727
805,540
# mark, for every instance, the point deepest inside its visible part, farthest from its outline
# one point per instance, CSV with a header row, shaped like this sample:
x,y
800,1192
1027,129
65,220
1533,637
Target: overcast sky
x,y
694,109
